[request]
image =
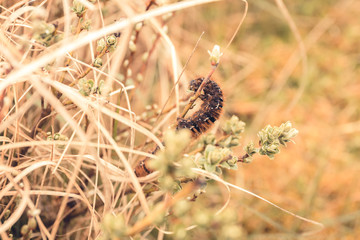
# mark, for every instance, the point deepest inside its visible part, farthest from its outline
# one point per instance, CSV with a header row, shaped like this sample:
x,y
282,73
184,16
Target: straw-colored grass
x,y
296,61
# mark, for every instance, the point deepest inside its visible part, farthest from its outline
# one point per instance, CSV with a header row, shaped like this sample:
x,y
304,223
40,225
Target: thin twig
x,y
89,68
177,82
198,92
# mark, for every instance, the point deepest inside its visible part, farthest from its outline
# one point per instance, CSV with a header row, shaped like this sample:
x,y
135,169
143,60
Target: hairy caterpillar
x,y
209,111
200,121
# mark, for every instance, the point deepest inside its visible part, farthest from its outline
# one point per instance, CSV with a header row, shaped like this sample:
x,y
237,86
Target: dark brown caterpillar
x,y
200,121
209,111
142,169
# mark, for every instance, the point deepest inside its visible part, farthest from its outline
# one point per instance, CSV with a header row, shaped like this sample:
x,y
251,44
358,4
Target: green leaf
x,y
225,165
209,167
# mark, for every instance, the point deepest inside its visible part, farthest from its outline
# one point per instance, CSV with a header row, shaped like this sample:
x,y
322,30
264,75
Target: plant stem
x,y
198,92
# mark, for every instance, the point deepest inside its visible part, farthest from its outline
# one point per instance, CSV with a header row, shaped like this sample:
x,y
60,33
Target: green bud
x,y
272,137
248,159
269,150
58,37
215,55
43,32
85,25
59,137
209,167
184,170
225,164
166,29
250,149
214,157
111,40
145,56
139,77
288,133
202,218
181,208
292,133
7,214
101,87
34,213
32,223
98,62
225,142
114,226
234,126
286,127
234,142
138,26
111,48
179,232
78,8
24,230
56,136
132,46
101,44
167,183
227,216
225,152
273,148
63,138
50,29
176,141
231,231
129,72
85,86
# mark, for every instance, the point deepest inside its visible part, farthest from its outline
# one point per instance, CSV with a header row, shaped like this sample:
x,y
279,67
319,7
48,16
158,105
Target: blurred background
x,y
266,81
268,76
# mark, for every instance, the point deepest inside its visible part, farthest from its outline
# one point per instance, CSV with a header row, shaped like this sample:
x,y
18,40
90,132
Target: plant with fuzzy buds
x,y
234,126
207,139
78,8
214,158
98,62
25,230
272,137
114,227
215,55
175,142
57,137
250,151
44,33
101,88
132,46
85,86
85,24
101,45
111,42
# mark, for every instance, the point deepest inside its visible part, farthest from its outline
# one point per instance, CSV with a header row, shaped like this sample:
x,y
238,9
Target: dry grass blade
x,y
90,92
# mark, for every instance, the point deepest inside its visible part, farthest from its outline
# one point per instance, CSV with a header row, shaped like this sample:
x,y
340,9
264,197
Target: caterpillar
x,y
200,121
209,111
142,169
